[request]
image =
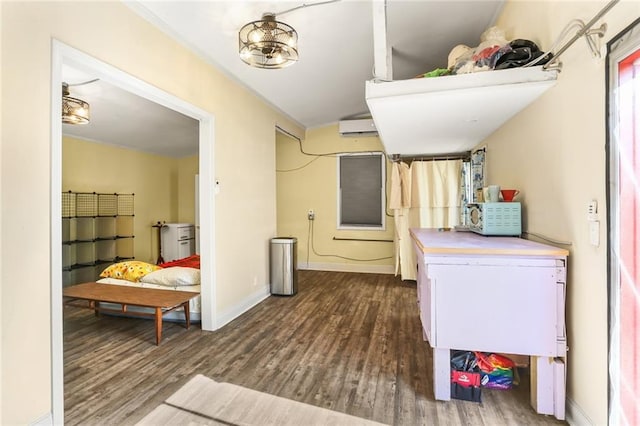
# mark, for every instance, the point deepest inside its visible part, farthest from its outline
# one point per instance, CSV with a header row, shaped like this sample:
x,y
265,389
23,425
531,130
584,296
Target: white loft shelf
x,y
451,114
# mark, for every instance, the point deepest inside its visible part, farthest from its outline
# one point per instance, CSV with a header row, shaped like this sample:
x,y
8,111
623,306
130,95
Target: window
x,y
624,227
361,194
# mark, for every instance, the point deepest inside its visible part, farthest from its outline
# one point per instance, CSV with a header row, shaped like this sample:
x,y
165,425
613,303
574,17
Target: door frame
x,y
63,54
619,47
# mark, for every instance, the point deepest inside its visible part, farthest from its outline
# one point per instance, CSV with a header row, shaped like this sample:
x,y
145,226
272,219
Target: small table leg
x,y
96,307
158,325
187,317
543,385
442,374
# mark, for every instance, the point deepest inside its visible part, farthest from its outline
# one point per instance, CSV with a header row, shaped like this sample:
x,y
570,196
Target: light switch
x,y
592,210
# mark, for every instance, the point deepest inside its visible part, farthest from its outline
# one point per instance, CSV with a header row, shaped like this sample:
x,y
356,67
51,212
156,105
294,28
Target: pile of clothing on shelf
x,y
494,52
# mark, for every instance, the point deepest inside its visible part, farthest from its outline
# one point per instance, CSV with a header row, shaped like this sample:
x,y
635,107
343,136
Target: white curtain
x,y
399,202
426,195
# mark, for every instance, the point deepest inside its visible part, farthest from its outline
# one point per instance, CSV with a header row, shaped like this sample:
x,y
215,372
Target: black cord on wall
x,y
310,238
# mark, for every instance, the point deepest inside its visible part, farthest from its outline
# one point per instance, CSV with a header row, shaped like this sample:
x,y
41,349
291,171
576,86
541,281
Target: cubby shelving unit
x,y
97,230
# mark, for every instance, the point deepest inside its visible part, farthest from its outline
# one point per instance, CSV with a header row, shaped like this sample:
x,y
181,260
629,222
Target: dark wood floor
x,y
347,342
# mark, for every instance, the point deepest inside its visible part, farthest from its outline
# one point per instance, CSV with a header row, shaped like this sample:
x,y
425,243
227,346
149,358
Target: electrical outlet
x,y
311,215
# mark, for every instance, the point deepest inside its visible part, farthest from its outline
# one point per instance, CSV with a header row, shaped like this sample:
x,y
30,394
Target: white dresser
x,y
178,241
494,294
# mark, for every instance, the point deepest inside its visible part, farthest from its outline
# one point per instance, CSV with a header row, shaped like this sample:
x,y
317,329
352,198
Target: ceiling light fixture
x,y
268,43
74,110
271,44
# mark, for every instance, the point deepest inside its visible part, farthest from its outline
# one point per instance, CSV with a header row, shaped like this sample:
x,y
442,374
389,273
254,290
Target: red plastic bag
x,y
488,363
496,370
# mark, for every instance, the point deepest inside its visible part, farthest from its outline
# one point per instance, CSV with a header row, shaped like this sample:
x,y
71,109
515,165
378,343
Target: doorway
x,y
63,55
624,227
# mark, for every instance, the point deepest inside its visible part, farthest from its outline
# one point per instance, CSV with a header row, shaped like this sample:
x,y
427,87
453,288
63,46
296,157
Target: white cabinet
x,y
494,294
178,241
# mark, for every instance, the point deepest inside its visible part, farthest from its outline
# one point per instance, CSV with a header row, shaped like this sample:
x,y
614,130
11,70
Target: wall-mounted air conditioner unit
x,y
357,128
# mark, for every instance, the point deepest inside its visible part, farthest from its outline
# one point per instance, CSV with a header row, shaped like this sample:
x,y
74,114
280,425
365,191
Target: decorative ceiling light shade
x,y
268,43
74,110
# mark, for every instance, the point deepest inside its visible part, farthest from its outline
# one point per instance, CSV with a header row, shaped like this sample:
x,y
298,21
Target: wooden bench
x,y
162,301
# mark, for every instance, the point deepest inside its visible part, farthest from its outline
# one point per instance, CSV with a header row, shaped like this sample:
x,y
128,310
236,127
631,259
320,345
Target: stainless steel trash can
x,y
284,271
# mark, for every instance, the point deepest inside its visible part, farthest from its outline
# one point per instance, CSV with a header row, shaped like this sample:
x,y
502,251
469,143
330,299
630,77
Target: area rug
x,y
203,401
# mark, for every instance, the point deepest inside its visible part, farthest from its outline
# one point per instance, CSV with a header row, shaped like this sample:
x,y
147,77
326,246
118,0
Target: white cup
x,y
494,193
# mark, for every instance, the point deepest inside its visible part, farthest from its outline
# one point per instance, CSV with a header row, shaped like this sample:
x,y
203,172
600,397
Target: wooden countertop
x,y
432,241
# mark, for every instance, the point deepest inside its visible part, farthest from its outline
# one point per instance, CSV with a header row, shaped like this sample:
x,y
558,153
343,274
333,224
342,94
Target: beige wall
x,y
315,187
163,186
554,153
1,235
245,211
187,170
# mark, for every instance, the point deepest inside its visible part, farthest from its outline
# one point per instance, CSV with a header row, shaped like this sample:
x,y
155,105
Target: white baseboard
x,y
235,311
575,415
46,420
347,267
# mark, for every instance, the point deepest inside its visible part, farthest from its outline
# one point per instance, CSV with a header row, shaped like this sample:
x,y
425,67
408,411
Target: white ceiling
x,y
326,85
120,118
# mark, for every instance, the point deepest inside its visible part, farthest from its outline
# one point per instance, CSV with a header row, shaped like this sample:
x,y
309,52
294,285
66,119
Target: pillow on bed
x,y
131,270
173,276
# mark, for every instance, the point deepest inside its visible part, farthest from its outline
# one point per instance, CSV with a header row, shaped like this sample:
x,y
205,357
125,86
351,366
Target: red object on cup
x,y
508,194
